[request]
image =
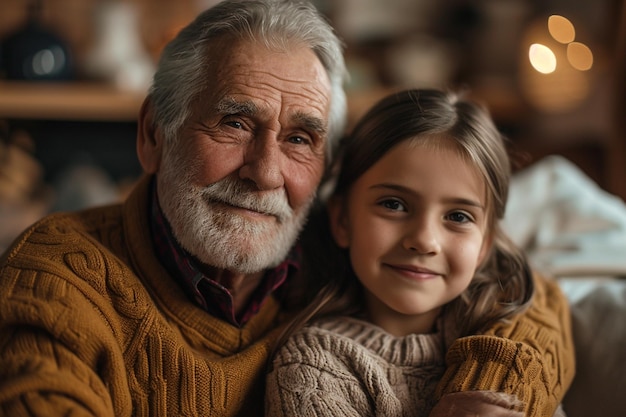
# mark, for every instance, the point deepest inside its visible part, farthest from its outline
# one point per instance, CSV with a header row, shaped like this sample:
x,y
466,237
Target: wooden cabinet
x,y
67,101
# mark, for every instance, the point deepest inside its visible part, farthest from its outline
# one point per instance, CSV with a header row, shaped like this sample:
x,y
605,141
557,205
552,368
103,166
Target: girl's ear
x,y
338,222
149,139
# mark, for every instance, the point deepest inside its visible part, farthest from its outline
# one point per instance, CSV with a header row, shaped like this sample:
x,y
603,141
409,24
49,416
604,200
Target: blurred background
x,y
73,74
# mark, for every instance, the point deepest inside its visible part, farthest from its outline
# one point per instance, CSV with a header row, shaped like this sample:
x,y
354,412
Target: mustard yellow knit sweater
x,y
92,325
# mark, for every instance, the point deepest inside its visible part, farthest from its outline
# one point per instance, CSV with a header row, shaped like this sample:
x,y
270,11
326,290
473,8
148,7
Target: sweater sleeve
x,y
304,390
530,356
54,359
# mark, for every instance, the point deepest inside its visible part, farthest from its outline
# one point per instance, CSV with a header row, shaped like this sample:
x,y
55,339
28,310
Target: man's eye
x,y
235,124
298,140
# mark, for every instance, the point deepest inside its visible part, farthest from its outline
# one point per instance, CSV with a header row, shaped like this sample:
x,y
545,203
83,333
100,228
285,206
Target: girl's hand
x,y
477,403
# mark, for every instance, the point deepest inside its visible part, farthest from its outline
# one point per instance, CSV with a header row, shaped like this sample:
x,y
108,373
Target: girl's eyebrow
x,y
453,200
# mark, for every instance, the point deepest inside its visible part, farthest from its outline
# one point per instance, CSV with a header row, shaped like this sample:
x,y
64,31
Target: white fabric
x,y
576,232
567,225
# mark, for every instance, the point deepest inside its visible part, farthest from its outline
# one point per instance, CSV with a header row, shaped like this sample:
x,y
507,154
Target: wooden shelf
x,y
83,101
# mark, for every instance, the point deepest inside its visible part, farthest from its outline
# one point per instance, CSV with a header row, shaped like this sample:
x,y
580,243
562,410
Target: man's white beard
x,y
214,233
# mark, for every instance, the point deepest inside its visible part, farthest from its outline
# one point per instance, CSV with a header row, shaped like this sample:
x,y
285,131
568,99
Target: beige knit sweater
x,y
344,366
92,325
351,368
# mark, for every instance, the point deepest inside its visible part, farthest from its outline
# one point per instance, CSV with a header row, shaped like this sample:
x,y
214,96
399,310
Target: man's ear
x,y
149,139
338,222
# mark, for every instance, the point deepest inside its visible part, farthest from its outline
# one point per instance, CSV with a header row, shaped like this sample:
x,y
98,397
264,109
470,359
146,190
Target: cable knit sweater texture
x,y
344,366
352,368
92,325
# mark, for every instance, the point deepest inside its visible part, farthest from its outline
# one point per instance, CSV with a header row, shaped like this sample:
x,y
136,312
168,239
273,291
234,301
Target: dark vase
x,y
34,53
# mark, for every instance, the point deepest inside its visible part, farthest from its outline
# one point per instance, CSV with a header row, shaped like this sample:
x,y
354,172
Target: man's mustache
x,y
237,193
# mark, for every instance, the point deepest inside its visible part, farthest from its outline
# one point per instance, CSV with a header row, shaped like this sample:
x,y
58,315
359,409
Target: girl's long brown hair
x,y
501,287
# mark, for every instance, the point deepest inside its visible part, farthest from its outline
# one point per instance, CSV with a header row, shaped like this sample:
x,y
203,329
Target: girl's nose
x,y
423,238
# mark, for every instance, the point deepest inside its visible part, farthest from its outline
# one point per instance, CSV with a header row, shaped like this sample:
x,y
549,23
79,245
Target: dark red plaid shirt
x,y
207,293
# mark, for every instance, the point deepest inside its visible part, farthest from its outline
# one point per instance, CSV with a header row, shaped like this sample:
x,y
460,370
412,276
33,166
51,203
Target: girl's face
x,y
415,226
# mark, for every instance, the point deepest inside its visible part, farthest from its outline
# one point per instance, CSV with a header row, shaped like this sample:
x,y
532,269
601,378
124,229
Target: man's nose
x,y
262,162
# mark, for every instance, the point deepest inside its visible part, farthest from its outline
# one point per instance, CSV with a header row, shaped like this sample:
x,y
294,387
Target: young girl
x,y
416,259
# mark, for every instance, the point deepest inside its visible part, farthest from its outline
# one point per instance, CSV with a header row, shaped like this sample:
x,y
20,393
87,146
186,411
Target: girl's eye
x,y
393,205
459,217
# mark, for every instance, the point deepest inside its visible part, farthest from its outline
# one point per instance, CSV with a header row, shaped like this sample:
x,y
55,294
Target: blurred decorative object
x,y
24,198
555,72
34,52
20,172
119,55
422,61
361,20
84,185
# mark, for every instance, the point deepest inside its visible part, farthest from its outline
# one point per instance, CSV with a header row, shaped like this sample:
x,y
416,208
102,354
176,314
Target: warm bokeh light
x,y
561,29
579,56
542,58
553,76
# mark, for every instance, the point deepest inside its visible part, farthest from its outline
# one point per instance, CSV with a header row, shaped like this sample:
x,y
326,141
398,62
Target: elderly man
x,y
169,303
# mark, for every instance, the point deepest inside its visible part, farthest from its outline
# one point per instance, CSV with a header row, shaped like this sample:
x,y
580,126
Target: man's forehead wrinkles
x,y
305,86
305,83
